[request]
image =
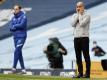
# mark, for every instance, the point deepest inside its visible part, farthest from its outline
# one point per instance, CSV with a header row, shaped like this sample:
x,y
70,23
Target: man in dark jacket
x,y
18,29
54,53
98,51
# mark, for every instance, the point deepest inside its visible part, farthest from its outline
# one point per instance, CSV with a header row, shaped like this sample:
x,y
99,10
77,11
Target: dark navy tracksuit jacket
x,y
18,29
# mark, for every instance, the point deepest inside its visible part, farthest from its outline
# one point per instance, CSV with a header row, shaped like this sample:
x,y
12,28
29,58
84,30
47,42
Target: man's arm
x,y
62,49
11,25
85,21
92,49
22,24
101,50
74,20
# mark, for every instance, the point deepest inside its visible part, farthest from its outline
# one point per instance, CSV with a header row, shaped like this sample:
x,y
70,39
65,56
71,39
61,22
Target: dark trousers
x,y
56,64
19,42
82,46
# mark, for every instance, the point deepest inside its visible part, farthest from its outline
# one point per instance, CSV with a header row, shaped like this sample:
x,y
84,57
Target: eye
x,y
79,6
15,9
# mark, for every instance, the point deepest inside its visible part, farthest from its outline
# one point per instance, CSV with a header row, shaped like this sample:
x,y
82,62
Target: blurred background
x,y
47,18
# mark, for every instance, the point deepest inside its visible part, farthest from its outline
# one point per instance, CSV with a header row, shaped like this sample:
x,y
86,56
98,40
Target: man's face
x,y
80,8
16,9
94,44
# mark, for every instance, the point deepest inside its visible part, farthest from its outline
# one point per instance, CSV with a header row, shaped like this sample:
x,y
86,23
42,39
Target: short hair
x,y
19,6
80,2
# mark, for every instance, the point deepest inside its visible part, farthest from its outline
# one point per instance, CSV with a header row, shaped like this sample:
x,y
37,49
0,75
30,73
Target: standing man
x,y
18,28
81,23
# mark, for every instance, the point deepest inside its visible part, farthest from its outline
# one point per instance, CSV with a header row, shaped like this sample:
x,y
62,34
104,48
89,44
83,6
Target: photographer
x,y
98,51
54,52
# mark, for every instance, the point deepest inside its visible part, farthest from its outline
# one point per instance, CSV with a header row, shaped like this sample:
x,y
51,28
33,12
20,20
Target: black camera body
x,y
50,48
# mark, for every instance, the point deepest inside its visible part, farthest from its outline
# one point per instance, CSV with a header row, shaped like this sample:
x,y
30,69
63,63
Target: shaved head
x,y
80,4
80,7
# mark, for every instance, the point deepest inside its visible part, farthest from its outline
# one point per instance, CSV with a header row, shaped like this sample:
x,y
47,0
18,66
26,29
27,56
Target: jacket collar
x,y
18,14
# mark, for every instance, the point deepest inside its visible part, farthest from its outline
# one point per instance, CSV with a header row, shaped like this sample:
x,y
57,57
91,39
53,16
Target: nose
x,y
78,8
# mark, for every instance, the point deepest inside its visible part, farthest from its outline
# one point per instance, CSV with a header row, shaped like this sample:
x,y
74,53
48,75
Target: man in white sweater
x,y
81,22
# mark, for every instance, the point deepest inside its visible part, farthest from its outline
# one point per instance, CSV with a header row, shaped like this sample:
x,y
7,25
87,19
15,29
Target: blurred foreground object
x,y
1,1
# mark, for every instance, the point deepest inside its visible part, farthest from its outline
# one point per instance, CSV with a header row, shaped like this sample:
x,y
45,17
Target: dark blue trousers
x,y
18,42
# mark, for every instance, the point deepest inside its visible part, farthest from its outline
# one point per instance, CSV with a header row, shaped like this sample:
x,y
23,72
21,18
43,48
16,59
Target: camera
x,y
50,48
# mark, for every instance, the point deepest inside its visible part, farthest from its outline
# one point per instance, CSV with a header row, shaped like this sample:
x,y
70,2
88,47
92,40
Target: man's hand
x,y
61,50
45,49
12,28
77,10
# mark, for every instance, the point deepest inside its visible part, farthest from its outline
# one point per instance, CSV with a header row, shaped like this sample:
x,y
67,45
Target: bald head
x,y
80,4
80,7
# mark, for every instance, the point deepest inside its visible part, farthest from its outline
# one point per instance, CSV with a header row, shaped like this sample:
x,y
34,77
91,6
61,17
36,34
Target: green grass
x,y
22,77
26,77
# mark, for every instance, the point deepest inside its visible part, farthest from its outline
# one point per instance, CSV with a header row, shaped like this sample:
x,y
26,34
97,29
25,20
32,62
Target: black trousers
x,y
81,45
56,63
